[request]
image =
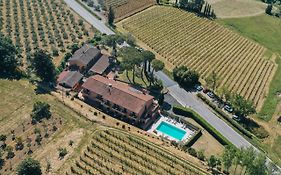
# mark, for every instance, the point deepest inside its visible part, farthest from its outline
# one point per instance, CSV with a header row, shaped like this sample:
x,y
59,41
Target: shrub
x,y
192,152
95,113
192,114
200,155
71,142
40,111
279,119
260,132
174,143
29,166
38,139
62,152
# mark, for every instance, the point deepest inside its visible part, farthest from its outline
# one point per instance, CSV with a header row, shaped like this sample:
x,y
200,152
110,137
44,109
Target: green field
x,y
265,30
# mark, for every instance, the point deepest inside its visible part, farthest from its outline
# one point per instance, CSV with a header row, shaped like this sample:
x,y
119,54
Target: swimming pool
x,y
171,130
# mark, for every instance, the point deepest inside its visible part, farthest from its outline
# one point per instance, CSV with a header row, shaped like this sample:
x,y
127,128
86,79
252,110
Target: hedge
x,y
194,139
225,116
192,114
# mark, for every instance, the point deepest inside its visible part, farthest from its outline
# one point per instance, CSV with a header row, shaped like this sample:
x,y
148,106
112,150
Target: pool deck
x,y
189,134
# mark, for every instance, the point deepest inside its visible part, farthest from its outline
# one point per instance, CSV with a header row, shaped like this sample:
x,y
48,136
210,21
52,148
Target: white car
x,y
211,94
198,88
237,118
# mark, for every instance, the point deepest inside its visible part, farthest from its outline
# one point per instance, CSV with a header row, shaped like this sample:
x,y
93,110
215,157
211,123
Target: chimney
x,y
109,86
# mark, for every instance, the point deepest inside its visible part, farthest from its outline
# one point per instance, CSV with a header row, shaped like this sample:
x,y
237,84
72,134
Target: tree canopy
x,y
250,160
212,81
41,110
131,58
111,16
148,57
29,166
41,63
185,76
241,106
157,65
9,57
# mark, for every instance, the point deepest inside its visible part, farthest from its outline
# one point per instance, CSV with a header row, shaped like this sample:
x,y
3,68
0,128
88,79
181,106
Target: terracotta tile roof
x,y
118,93
85,54
69,78
101,65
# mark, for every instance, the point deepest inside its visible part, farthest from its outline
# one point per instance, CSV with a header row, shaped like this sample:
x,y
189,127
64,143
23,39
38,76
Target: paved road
x,y
99,25
189,99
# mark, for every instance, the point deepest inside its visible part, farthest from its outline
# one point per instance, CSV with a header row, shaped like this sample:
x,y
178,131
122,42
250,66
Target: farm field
x,y
265,30
126,8
181,38
237,8
64,125
115,152
46,24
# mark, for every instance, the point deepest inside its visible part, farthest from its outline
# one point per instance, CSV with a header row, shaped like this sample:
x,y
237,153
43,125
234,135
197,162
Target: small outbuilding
x,y
84,58
70,79
102,65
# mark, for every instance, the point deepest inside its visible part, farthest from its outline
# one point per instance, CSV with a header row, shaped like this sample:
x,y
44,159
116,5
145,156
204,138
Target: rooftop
x,y
101,65
119,93
69,78
85,54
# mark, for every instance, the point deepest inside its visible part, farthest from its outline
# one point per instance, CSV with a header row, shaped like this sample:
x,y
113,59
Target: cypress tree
x,y
111,16
205,9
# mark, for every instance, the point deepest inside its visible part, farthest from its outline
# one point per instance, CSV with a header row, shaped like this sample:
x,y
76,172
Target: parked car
x,y
220,104
228,108
211,94
237,118
205,90
198,87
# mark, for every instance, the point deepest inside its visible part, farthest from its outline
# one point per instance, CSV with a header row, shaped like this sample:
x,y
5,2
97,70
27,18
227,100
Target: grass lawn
x,y
138,79
277,147
265,30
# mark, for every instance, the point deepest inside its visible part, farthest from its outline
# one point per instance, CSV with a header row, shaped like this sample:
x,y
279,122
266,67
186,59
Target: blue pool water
x,y
171,130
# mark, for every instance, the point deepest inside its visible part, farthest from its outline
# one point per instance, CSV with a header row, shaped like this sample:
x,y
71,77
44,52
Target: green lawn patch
x,y
138,80
263,29
272,99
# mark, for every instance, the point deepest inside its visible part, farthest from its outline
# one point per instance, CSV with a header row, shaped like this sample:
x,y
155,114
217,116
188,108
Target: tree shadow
x,y
17,75
2,163
166,106
44,88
